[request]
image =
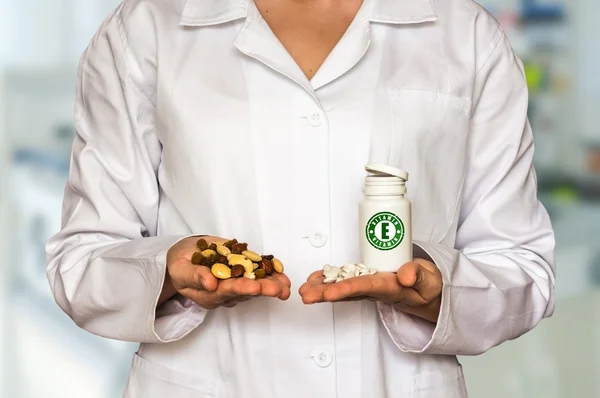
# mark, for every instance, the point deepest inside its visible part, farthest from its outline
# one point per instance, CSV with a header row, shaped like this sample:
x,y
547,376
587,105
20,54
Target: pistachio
x,y
252,256
260,273
223,251
235,259
249,275
278,265
202,244
213,246
197,258
237,271
209,253
221,271
267,266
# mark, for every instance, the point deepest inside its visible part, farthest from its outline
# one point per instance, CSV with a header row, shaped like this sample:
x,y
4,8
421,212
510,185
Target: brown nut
x,y
221,271
238,259
197,258
238,248
267,266
249,275
278,265
237,271
202,244
229,244
252,256
222,259
209,253
223,251
209,261
259,273
213,246
269,257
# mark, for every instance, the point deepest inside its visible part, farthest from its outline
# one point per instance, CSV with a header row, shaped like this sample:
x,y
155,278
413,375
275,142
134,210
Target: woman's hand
x,y
415,289
197,282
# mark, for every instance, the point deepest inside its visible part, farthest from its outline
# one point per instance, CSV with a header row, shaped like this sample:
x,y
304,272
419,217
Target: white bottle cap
x,y
385,170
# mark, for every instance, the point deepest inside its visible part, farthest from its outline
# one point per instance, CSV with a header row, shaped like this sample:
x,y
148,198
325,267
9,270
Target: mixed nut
x,y
347,271
232,259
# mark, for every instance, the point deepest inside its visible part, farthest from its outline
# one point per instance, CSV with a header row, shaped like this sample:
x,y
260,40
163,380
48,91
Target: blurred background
x,y
43,354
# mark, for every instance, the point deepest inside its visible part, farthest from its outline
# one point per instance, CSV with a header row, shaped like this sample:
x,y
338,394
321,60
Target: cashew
x,y
221,271
235,259
223,251
208,252
252,256
249,275
278,265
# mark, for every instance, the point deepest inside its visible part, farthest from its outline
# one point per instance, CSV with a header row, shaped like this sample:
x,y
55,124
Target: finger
x,y
234,287
282,278
186,274
285,287
312,292
422,276
271,287
310,283
382,286
316,275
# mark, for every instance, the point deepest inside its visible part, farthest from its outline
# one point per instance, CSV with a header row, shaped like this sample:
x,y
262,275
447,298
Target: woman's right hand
x,y
197,282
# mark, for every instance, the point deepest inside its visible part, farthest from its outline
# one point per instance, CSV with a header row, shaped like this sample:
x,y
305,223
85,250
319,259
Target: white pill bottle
x,y
385,219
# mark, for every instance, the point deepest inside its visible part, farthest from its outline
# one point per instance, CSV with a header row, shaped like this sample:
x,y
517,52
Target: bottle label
x,y
385,231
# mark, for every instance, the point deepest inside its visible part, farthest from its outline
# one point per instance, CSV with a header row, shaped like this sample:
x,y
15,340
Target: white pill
x,y
372,271
329,280
330,274
357,271
327,267
339,279
361,266
349,268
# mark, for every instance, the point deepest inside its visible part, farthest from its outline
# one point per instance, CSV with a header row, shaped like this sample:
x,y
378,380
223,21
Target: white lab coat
x,y
193,119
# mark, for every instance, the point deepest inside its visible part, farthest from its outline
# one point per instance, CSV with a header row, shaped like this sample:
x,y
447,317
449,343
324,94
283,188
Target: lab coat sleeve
x,y
106,266
498,281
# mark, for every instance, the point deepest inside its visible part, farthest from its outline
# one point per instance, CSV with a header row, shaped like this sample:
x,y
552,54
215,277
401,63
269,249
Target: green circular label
x,y
385,231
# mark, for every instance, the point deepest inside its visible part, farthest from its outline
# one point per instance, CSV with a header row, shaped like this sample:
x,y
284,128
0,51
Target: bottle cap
x,y
385,170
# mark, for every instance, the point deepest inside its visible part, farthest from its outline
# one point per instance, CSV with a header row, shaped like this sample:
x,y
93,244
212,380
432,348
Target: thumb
x,y
408,275
426,280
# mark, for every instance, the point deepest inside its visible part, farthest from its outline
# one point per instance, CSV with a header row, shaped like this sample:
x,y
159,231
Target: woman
x,y
254,120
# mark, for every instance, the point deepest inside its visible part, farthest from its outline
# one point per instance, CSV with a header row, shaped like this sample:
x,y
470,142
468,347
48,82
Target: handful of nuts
x,y
232,259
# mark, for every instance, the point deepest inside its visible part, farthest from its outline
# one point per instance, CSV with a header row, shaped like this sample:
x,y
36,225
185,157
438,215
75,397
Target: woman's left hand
x,y
415,289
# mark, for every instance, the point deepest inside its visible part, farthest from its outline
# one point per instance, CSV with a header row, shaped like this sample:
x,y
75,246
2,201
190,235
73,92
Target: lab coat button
x,y
323,358
315,120
318,239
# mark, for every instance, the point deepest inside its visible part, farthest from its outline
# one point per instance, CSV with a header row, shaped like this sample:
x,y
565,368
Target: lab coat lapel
x,y
256,40
348,52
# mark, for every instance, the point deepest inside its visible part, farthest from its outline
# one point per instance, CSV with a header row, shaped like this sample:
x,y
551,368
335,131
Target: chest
x,y
309,31
258,142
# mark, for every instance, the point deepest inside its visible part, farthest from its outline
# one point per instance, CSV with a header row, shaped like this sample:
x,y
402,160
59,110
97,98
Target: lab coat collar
x,y
403,11
214,12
